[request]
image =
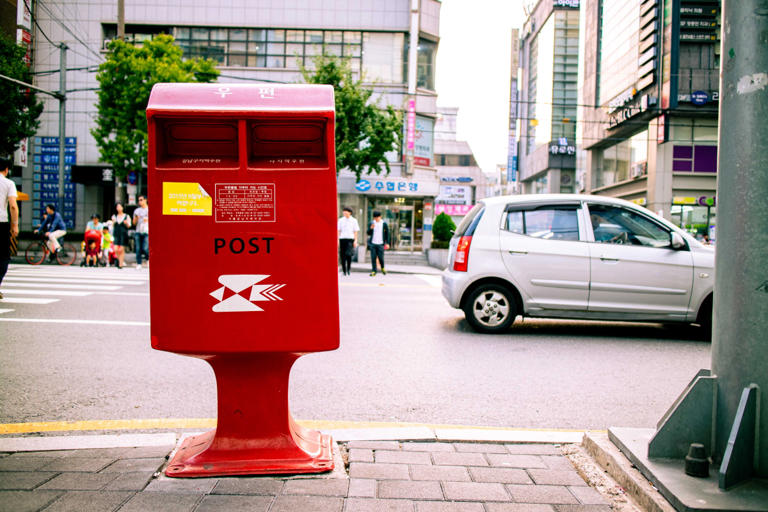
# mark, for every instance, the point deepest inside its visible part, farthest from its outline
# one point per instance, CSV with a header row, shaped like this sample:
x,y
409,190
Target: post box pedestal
x,y
255,433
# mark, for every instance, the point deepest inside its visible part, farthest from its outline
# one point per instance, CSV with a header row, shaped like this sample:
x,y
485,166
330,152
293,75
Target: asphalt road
x,y
405,356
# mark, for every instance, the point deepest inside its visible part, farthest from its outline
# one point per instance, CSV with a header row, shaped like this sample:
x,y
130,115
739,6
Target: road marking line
x,y
5,310
75,321
47,292
61,286
376,285
25,279
27,300
197,423
434,281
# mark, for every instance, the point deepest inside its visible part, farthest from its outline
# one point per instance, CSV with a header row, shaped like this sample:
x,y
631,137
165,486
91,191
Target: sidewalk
x,y
423,471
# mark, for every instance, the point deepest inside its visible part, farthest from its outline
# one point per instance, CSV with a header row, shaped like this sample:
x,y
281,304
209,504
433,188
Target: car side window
x,y
617,225
549,223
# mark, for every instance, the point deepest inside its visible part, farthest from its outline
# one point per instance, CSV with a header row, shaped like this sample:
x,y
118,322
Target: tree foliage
x,y
18,117
365,132
443,228
126,79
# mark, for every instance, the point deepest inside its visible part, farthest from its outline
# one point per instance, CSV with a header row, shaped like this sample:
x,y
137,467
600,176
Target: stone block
x,y
516,461
500,475
379,471
81,464
438,473
135,465
215,503
80,481
459,459
549,494
428,447
89,501
402,457
165,501
481,447
556,477
369,505
475,491
313,503
23,480
316,487
136,481
26,501
361,488
249,485
407,489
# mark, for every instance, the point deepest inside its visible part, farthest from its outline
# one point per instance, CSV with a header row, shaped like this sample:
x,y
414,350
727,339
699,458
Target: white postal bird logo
x,y
237,283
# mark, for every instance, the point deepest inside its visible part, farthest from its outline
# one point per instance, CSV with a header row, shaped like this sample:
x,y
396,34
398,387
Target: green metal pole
x,y
740,333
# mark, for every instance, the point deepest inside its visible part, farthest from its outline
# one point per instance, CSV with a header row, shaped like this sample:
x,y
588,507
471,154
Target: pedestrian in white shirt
x,y
9,216
348,228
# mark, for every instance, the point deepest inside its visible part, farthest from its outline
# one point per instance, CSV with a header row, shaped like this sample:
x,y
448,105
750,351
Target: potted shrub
x,y
442,231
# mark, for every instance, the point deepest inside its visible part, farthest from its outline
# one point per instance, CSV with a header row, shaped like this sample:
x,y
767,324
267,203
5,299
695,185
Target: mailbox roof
x,y
241,97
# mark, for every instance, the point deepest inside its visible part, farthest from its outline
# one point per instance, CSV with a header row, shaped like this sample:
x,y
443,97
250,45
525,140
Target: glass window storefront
x,y
405,218
623,161
698,220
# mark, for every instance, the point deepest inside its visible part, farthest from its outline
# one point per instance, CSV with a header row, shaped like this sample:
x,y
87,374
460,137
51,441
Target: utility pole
x,y
62,121
121,20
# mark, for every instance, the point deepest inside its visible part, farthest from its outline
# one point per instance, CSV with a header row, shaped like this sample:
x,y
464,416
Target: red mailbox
x,y
243,255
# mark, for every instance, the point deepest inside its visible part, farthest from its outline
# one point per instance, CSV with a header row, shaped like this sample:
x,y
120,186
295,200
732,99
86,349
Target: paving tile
x,y
24,463
234,504
480,447
475,491
361,488
388,456
534,449
459,459
445,473
44,453
410,490
134,465
516,461
518,507
26,501
84,464
556,477
360,455
89,501
500,475
550,494
442,506
378,471
23,481
313,503
369,505
165,501
179,485
130,481
317,487
248,485
583,508
428,447
80,481
557,462
588,495
375,445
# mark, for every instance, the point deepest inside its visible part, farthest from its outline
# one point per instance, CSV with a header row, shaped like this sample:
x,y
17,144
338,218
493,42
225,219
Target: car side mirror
x,y
676,241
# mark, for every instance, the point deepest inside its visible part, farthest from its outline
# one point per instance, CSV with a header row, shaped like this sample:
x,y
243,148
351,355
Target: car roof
x,y
553,199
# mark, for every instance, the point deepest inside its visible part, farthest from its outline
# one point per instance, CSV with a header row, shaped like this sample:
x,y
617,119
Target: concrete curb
x,y
610,458
77,442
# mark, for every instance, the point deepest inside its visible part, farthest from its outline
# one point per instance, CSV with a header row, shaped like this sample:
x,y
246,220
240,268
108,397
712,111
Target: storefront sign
x,y
410,133
374,186
699,97
562,147
453,209
452,194
573,4
641,201
422,146
622,99
460,179
695,201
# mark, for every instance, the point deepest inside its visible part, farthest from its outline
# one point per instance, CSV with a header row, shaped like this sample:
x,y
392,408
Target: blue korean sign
x,y
699,97
45,184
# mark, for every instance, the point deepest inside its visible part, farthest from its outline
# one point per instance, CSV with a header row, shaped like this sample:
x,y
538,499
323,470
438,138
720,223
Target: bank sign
x,y
388,187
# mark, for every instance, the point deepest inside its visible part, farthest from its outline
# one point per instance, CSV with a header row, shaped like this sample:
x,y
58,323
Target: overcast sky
x,y
472,72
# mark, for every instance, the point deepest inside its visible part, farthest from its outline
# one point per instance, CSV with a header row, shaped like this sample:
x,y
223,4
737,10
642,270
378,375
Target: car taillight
x,y
461,260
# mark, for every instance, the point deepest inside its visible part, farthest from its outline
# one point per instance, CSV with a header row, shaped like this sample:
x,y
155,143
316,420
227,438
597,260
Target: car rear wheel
x,y
490,308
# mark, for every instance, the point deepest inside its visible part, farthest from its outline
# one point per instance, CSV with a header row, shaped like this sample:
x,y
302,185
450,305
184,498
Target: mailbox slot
x,y
280,144
197,143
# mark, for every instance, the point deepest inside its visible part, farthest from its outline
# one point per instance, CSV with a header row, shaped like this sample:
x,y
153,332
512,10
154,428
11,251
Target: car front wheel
x,y
490,308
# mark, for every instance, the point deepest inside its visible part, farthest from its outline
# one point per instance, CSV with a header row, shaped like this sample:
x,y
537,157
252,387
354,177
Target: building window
x,y
383,54
425,70
272,48
619,36
624,161
694,158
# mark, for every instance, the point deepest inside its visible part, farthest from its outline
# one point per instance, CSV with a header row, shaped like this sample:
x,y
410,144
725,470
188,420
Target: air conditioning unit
x,y
639,169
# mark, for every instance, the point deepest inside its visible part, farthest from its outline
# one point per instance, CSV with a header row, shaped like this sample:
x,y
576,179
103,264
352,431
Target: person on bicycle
x,y
53,228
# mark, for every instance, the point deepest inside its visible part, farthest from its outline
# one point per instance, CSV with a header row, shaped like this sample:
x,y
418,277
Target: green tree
x,y
365,132
442,230
126,79
18,117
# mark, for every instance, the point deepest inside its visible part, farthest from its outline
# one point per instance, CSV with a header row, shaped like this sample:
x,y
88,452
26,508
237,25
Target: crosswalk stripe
x,y
27,300
65,293
16,278
5,311
55,286
116,276
75,321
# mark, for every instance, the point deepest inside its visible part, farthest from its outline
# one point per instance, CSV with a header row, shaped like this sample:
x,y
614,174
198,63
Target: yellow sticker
x,y
186,199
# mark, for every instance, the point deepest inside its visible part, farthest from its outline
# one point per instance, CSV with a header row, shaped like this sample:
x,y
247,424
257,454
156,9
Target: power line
x,y
67,29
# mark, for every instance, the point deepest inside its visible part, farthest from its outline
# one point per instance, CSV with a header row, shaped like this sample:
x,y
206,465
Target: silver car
x,y
575,256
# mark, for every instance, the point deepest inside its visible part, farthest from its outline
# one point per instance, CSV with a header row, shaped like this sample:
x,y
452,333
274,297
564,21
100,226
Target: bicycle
x,y
38,250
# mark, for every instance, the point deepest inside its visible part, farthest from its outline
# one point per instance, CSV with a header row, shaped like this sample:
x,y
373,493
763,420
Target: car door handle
x,y
518,252
603,257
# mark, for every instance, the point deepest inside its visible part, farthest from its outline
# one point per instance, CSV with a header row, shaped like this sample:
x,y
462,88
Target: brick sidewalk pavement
x,y
381,476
